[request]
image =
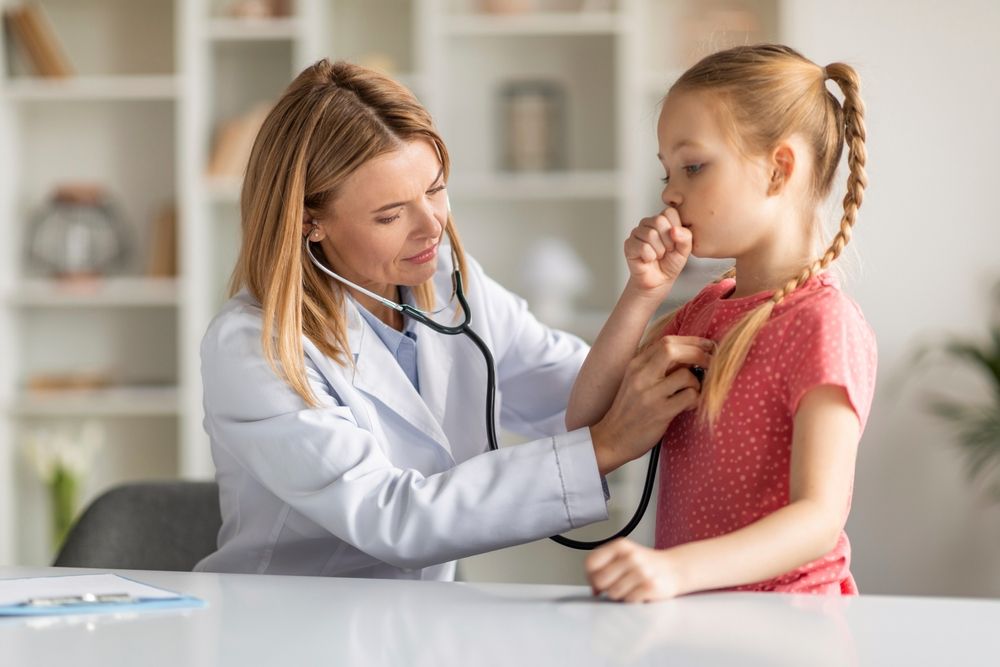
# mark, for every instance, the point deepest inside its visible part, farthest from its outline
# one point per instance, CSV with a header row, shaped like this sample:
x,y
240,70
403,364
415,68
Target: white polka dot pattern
x,y
715,482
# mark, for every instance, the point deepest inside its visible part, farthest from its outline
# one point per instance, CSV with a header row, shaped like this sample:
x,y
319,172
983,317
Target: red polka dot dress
x,y
715,482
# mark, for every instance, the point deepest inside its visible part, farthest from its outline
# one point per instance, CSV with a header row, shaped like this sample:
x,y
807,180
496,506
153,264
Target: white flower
x,y
50,449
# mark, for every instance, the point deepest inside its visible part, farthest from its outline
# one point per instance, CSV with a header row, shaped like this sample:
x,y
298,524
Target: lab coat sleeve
x,y
324,465
536,365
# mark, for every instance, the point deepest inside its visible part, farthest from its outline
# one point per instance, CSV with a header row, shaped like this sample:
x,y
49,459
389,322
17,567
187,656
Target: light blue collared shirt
x,y
402,344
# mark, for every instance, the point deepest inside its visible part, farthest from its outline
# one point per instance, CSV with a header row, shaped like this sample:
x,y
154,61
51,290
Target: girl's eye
x,y
693,169
665,180
434,191
386,221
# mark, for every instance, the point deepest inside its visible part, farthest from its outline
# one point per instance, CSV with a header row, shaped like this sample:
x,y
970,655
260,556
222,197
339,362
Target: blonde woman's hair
x,y
333,118
768,93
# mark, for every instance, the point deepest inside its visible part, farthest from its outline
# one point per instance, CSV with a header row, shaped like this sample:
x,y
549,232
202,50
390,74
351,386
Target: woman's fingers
x,y
661,358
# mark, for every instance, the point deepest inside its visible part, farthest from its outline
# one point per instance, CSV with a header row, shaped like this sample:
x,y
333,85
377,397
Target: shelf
x,y
107,292
224,29
539,23
539,185
122,401
93,88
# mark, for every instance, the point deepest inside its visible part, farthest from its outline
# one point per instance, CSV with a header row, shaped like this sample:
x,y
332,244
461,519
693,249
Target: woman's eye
x,y
693,169
434,191
386,221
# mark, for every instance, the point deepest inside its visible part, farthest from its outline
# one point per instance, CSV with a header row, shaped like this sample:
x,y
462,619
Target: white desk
x,y
267,620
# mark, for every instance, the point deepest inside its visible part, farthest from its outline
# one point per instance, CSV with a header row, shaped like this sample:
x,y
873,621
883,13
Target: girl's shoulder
x,y
822,309
822,297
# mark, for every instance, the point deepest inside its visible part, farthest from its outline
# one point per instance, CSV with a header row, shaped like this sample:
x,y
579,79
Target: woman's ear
x,y
782,167
307,222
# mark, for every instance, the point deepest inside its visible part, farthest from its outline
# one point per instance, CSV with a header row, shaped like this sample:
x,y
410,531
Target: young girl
x,y
755,484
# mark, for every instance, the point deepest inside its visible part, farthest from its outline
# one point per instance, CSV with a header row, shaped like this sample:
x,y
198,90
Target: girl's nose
x,y
671,197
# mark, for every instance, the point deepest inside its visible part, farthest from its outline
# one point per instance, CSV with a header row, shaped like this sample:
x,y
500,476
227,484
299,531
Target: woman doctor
x,y
350,440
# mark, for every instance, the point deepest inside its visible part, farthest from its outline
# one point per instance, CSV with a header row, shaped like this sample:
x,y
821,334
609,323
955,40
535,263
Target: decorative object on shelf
x,y
29,28
162,262
78,234
62,458
533,121
554,276
259,9
977,425
70,381
507,6
233,142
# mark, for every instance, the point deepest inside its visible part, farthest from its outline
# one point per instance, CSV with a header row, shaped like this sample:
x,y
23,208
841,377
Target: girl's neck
x,y
775,261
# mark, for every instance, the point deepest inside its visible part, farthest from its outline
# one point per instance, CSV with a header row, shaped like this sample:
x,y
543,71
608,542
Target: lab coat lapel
x,y
453,381
378,374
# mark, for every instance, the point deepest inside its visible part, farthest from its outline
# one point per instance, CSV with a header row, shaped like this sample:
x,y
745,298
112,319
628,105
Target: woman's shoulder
x,y
239,320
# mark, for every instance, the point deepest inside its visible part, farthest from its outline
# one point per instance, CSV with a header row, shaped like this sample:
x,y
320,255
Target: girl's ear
x,y
782,167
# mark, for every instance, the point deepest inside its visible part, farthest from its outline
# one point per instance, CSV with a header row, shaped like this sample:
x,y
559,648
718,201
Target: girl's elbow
x,y
830,525
827,526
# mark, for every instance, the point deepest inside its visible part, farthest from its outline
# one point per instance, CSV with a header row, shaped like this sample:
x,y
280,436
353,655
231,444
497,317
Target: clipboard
x,y
86,594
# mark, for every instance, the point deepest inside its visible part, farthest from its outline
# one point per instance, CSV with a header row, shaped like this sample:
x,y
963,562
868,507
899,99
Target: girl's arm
x,y
656,251
824,448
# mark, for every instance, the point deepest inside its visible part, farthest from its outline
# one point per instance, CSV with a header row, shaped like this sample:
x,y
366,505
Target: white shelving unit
x,y
155,80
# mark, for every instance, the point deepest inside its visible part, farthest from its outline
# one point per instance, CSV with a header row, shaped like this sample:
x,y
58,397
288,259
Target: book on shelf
x,y
162,261
29,28
233,142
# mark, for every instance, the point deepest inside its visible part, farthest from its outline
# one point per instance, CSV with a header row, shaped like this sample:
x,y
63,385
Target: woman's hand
x,y
658,385
630,572
657,250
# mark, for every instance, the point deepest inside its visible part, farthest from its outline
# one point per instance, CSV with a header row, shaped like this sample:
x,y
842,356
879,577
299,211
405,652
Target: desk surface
x,y
267,620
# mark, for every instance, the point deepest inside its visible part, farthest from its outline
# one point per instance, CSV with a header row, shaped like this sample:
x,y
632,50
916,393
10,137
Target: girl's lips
x,y
425,256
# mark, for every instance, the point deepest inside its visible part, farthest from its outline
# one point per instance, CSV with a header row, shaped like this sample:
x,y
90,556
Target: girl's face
x,y
719,193
384,228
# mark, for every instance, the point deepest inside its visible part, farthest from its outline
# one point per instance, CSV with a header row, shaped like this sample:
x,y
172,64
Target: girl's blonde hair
x,y
769,92
333,118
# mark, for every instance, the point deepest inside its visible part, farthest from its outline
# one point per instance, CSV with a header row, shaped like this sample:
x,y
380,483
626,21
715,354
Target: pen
x,y
86,598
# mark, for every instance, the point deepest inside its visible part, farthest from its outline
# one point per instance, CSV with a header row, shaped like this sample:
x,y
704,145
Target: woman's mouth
x,y
424,256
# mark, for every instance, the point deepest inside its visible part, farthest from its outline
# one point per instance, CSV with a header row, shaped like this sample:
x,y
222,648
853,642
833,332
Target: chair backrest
x,y
146,526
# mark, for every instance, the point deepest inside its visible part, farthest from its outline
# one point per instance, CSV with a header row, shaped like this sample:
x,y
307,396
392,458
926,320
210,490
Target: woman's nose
x,y
431,218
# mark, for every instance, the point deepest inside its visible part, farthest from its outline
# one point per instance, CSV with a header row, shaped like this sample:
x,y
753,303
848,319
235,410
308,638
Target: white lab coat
x,y
380,481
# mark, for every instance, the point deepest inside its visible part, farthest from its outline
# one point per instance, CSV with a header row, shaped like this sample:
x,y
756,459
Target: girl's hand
x,y
657,250
631,572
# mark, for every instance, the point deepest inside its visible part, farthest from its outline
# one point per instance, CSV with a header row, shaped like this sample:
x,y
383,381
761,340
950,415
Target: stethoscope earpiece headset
x,y
464,328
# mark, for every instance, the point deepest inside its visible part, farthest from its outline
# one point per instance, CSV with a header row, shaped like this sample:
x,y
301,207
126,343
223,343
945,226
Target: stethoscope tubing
x,y
491,384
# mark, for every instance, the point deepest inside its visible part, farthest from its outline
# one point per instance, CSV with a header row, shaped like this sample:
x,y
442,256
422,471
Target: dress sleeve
x,y
830,343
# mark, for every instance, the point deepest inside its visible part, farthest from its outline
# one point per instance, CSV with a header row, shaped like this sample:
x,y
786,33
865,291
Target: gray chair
x,y
146,526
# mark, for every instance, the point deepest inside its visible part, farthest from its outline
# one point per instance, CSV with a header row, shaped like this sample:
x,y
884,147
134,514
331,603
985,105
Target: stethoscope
x,y
464,328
